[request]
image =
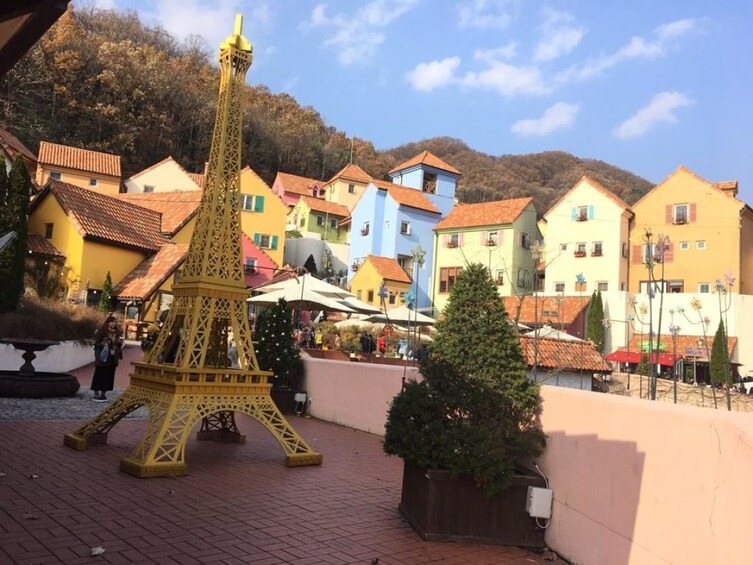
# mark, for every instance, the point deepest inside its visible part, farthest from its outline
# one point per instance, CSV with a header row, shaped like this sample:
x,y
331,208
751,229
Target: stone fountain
x,y
30,383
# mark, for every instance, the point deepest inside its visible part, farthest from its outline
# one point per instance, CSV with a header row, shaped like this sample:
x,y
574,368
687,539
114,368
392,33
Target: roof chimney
x,y
728,187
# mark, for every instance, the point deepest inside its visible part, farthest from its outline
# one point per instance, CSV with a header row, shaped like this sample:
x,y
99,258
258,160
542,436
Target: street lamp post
x,y
580,279
418,255
536,256
674,330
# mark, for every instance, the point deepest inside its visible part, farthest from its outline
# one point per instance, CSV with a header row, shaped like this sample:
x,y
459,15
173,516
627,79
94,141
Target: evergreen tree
x,y
474,413
310,265
720,373
105,299
276,351
4,188
15,217
642,368
595,321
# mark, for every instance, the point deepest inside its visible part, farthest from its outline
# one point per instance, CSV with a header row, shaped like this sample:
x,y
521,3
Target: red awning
x,y
659,357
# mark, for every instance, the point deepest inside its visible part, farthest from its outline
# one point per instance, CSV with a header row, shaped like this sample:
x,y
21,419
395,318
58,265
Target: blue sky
x,y
645,85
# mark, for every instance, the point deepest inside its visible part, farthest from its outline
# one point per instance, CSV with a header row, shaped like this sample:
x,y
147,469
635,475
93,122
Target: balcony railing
x,y
491,243
579,253
452,244
595,253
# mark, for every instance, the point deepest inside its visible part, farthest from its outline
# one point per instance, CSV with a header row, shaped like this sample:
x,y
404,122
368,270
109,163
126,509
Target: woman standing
x,y
108,340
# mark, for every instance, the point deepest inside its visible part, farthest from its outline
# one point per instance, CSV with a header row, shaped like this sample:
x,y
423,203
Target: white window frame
x,y
602,286
247,202
492,236
268,244
684,245
405,228
700,244
56,175
704,288
600,251
333,223
320,220
351,189
559,287
581,213
681,213
453,240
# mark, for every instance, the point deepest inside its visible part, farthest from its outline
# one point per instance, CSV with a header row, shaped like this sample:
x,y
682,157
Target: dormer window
x,y
54,175
680,214
430,183
351,189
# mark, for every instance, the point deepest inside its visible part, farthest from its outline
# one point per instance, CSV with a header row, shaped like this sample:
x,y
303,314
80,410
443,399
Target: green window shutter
x,y
257,238
259,204
274,242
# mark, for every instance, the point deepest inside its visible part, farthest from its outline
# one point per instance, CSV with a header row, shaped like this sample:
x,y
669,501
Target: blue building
x,y
391,219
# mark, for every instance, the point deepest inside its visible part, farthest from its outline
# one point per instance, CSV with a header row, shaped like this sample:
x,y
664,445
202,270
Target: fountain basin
x,y
40,385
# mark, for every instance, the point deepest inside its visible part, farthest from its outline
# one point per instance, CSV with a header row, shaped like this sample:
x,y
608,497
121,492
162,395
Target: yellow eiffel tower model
x,y
186,377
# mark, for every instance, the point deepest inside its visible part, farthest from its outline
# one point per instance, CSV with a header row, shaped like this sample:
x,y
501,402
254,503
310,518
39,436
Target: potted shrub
x,y
276,352
462,430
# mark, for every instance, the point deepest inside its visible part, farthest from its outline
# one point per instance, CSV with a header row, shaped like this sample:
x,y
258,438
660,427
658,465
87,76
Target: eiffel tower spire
x,y
186,377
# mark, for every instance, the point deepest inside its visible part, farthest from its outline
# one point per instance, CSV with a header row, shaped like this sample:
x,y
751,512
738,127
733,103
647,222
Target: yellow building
x,y
97,234
347,186
263,215
376,271
710,234
93,170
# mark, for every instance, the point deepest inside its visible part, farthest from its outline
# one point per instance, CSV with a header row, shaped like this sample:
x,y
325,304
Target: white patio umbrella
x,y
403,316
347,300
301,299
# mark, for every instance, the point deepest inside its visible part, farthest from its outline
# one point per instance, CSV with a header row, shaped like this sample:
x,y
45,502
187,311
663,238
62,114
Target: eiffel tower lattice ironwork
x,y
186,377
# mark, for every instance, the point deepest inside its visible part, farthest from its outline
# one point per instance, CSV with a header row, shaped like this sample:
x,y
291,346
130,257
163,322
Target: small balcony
x,y
452,244
579,253
596,253
491,243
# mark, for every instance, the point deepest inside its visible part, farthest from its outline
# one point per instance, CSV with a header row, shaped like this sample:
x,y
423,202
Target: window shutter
x,y
669,253
590,212
274,242
500,237
668,216
573,213
445,240
259,204
692,212
484,237
257,238
637,254
460,239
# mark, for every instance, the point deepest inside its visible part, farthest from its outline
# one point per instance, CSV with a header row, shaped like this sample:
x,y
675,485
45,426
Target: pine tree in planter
x,y
473,416
105,299
276,352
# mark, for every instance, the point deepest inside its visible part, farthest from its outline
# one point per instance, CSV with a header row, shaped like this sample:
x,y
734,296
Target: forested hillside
x,y
103,80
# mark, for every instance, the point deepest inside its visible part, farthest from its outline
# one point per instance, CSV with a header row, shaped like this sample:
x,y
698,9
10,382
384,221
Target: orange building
x,y
96,171
710,234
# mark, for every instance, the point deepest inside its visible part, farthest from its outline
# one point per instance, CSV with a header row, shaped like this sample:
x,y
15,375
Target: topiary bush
x,y
475,411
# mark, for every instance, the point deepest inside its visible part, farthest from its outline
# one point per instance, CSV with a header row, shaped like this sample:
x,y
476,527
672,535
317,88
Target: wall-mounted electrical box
x,y
539,502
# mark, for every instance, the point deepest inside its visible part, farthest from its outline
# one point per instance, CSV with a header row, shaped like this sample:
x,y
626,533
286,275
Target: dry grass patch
x,y
41,319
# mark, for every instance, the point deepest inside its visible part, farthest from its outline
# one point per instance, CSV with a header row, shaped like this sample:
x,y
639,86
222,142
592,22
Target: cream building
x,y
587,232
165,176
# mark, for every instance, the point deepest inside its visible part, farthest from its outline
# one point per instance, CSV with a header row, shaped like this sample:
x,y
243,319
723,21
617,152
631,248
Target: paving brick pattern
x,y
239,504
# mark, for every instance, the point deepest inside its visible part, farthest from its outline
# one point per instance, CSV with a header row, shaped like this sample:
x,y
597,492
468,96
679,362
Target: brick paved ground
x,y
238,504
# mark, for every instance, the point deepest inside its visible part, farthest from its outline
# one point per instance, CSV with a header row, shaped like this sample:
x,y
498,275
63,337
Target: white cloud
x,y
661,109
504,53
507,79
495,14
637,48
560,37
357,37
103,4
559,116
436,74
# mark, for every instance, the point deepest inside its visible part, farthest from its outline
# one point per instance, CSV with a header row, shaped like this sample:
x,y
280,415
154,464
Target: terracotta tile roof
x,y
12,147
686,344
147,277
40,245
296,184
198,178
407,196
552,310
389,269
500,212
79,159
352,172
177,207
105,218
564,354
726,185
319,205
605,191
425,158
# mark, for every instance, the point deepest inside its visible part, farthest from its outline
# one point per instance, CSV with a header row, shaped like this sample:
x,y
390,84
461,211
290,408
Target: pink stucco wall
x,y
353,394
635,482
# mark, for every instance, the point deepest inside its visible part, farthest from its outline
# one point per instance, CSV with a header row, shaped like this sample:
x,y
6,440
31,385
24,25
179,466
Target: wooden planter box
x,y
285,399
440,507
